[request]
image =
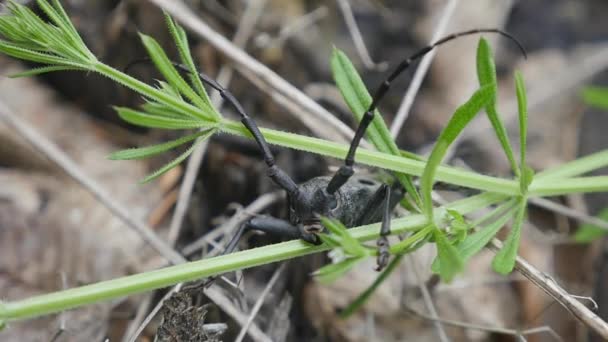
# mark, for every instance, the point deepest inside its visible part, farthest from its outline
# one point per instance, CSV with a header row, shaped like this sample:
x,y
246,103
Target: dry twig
x,y
353,29
259,302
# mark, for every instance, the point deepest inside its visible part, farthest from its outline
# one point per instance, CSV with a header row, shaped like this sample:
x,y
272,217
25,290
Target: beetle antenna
x,y
346,171
279,176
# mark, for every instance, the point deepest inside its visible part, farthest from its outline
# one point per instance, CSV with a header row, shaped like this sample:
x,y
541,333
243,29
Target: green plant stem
x,y
105,290
378,159
556,187
576,167
414,167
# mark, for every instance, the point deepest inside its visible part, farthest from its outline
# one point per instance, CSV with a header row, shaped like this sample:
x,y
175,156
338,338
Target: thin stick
x,y
259,302
552,288
568,212
245,62
355,34
140,327
428,301
295,27
425,63
496,330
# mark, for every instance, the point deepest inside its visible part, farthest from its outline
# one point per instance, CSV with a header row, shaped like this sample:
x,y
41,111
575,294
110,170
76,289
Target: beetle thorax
x,y
346,205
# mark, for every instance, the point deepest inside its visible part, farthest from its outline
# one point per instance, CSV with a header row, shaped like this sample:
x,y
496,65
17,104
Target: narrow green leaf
x,y
35,56
504,261
71,31
169,165
168,89
52,14
474,242
181,41
526,174
463,115
148,151
48,36
406,244
355,94
596,96
478,240
365,295
153,121
589,232
576,167
330,240
457,220
358,99
526,178
159,109
165,67
351,246
44,70
486,73
522,106
329,273
449,260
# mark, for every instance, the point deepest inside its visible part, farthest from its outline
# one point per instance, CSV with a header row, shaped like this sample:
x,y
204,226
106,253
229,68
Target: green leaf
x,y
169,165
463,115
473,243
17,51
166,68
449,260
365,295
358,99
576,167
329,273
457,220
486,73
596,96
525,178
526,174
154,121
522,107
331,240
589,232
181,41
44,70
351,246
504,261
478,240
148,151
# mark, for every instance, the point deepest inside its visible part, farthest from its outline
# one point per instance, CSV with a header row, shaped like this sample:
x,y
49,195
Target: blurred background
x,y
52,228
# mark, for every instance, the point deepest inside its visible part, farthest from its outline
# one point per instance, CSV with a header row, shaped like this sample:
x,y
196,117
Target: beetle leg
x,y
379,207
385,230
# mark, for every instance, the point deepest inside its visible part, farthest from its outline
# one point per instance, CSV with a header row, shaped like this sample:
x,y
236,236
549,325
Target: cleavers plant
x,y
182,103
